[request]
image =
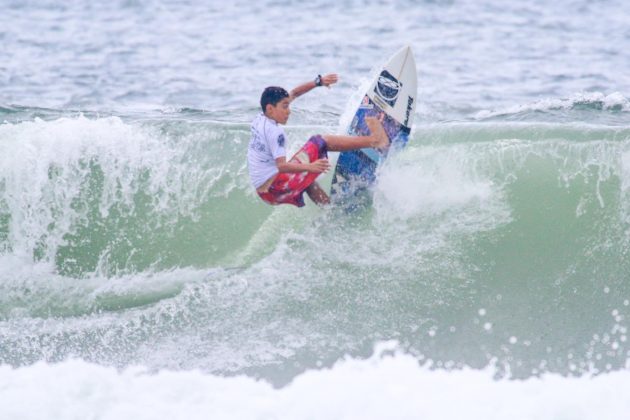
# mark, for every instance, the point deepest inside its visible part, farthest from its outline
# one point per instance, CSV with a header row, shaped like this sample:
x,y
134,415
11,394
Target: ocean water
x,y
141,277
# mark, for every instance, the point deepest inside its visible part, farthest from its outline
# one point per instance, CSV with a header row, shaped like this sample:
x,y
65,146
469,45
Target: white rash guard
x,y
266,145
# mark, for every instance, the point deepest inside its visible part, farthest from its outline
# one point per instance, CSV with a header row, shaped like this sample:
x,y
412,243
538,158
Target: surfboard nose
x,y
406,54
406,50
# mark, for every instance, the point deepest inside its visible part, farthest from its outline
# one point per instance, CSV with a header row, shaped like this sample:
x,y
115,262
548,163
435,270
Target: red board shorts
x,y
288,188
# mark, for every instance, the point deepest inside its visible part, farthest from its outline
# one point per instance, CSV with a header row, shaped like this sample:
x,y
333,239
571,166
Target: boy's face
x,y
280,112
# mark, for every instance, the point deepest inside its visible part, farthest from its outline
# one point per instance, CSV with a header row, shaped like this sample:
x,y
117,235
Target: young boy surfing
x,y
280,182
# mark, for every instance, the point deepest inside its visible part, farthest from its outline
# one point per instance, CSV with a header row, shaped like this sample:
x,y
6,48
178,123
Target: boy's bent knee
x,y
321,144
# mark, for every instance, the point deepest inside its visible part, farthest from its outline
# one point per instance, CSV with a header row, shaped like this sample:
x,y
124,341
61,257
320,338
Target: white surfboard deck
x,y
392,97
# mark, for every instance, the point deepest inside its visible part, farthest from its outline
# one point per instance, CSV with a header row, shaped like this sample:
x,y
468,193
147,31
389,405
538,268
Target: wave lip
x,y
94,194
597,101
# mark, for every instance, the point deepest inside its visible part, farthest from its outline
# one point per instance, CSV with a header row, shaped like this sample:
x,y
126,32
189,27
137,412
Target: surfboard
x,y
392,98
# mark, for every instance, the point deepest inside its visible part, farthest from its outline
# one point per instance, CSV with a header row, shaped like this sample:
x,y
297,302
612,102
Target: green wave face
x,y
90,195
142,241
102,195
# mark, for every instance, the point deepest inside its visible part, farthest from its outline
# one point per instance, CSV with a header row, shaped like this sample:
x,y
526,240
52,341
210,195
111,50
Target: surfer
x,y
280,182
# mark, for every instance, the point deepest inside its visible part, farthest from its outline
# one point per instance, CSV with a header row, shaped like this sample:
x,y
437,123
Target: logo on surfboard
x,y
387,87
409,108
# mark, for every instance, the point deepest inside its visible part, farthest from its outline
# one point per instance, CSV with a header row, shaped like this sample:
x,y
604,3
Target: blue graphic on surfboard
x,y
391,97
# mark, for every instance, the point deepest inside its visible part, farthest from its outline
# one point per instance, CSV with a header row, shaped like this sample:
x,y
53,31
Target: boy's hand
x,y
319,166
329,79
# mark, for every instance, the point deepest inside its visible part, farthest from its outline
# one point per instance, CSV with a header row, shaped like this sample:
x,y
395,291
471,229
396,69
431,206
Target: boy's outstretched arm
x,y
327,80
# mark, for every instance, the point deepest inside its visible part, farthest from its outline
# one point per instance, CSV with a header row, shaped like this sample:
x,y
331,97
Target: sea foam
x,y
390,384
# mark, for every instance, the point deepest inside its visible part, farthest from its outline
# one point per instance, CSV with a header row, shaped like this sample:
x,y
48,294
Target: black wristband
x,y
318,80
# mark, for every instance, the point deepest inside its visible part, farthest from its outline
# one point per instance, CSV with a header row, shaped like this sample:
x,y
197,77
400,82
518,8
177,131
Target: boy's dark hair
x,y
272,95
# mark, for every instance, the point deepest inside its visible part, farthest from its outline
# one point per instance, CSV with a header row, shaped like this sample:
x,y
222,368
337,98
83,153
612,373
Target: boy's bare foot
x,y
381,140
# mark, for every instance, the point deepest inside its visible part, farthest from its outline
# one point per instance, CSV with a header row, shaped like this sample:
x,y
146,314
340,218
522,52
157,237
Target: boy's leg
x,y
317,194
315,149
377,138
